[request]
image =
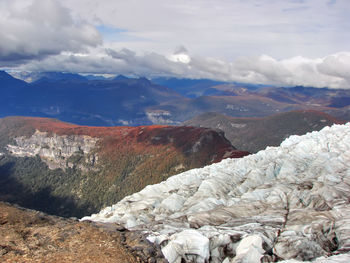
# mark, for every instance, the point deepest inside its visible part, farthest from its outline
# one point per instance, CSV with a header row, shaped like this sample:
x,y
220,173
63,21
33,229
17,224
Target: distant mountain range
x,y
190,88
48,76
240,100
89,100
255,134
73,98
73,170
193,88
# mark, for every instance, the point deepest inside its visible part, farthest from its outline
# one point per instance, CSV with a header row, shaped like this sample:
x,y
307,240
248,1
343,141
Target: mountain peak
x,y
53,76
120,77
144,81
8,81
5,76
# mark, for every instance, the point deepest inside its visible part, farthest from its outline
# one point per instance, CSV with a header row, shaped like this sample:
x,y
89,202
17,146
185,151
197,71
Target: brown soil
x,y
31,236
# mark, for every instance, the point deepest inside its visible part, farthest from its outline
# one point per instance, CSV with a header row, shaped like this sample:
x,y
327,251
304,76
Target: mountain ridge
x,y
254,134
82,169
89,102
139,101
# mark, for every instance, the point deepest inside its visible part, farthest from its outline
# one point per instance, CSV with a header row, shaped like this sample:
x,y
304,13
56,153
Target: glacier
x,y
288,204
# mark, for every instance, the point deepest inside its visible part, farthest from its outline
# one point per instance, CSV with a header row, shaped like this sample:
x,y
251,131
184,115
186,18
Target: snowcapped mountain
x,y
289,203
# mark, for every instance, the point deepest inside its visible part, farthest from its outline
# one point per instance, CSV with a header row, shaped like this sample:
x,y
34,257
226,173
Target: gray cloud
x,y
36,29
224,28
180,50
123,61
332,71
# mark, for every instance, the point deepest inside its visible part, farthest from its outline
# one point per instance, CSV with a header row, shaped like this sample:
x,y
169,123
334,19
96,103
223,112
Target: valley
x,y
255,134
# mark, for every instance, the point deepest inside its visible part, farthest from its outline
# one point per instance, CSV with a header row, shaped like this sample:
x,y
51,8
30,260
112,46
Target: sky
x,y
277,42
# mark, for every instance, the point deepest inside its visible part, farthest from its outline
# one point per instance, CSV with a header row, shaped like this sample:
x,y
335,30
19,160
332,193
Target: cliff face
x,y
81,169
56,150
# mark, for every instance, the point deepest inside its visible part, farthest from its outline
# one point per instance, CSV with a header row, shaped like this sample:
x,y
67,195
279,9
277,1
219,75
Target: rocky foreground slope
x,y
289,203
72,170
32,236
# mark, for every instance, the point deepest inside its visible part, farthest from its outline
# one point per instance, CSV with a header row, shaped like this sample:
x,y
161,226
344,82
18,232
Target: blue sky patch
x,y
112,33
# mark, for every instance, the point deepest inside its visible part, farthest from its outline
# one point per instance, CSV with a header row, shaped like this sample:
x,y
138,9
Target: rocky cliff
x,y
74,170
56,151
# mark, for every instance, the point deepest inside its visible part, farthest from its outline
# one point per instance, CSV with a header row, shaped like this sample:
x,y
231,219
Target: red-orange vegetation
x,y
132,157
137,139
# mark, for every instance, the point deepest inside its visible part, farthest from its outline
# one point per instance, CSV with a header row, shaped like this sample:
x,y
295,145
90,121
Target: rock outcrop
x,y
284,203
55,150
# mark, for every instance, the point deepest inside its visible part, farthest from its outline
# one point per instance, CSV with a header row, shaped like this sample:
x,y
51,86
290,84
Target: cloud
x,y
122,61
137,37
289,72
224,28
148,64
36,29
337,65
180,55
332,71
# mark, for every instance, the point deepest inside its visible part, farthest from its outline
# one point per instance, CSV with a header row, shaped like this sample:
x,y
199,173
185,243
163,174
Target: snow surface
x,y
286,203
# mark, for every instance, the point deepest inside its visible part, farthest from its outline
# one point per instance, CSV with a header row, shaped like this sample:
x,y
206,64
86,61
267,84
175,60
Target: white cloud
x,y
337,65
331,71
180,55
35,29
